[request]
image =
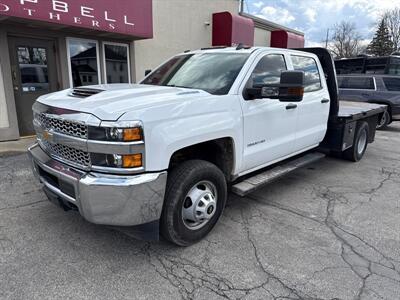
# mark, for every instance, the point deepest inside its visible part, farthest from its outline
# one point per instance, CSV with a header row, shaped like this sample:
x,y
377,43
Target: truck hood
x,y
114,100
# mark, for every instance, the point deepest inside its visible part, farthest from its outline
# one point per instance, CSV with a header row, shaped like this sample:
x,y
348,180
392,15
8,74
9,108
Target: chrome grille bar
x,y
73,155
63,126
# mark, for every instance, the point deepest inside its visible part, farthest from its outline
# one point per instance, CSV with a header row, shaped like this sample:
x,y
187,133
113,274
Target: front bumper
x,y
118,200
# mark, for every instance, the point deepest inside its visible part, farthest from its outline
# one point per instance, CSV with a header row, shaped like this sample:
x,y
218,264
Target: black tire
x,y
384,121
360,143
181,180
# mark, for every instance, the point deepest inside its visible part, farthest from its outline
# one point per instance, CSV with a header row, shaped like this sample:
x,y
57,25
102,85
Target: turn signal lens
x,y
132,161
295,91
132,134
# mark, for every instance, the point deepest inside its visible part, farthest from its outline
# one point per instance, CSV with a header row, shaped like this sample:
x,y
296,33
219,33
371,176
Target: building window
x,y
33,69
83,62
114,55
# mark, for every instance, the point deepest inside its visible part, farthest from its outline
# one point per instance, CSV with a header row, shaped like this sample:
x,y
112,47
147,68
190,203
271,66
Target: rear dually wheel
x,y
360,143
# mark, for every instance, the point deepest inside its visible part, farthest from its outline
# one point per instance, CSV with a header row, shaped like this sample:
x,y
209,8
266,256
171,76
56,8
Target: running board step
x,y
251,184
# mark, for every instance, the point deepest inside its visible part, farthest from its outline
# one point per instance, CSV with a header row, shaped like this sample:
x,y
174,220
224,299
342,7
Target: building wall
x,y
262,37
174,34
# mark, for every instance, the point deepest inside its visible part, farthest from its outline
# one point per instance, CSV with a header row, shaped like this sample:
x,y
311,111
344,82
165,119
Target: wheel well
x,y
389,107
219,152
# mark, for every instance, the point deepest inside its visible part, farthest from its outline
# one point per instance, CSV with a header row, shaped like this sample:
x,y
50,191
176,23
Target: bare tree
x,y
392,19
345,41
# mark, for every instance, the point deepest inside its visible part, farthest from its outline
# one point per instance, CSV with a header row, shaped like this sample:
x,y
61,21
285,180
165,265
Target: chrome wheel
x,y
199,205
362,142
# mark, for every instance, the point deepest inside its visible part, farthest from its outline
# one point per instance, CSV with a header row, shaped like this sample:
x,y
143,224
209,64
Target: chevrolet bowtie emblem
x,y
48,136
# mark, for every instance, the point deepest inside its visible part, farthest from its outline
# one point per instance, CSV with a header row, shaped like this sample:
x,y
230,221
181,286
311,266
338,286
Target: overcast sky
x,y
314,17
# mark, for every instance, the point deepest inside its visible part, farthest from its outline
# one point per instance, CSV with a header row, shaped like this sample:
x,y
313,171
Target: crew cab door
x,y
269,125
313,110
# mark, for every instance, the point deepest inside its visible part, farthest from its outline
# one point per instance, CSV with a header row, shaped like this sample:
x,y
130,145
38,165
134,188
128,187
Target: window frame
x,y
269,54
105,62
68,40
253,65
318,68
354,89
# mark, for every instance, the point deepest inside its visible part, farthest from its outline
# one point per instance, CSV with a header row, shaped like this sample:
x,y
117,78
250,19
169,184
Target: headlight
x,y
117,160
117,132
124,134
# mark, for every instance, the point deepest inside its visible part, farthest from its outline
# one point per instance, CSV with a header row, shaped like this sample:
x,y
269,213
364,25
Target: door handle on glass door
x,y
324,100
291,106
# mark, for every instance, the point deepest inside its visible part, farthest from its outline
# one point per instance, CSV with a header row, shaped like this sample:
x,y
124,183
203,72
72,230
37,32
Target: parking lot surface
x,y
329,231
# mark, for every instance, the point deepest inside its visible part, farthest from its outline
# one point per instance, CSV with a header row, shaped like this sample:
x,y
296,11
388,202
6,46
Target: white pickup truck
x,y
162,154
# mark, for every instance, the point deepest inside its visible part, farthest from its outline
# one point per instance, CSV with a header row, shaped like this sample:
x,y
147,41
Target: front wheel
x,y
356,152
195,198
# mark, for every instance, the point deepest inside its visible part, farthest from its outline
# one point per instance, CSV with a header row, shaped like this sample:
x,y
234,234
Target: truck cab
x,y
164,153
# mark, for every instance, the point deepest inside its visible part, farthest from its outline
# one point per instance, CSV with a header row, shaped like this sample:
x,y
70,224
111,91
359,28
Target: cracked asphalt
x,y
329,231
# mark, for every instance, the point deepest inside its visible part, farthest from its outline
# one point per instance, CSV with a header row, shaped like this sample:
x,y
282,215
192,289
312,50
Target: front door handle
x,y
291,106
324,100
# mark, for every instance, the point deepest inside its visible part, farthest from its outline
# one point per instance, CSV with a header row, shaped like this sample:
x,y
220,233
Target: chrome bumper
x,y
119,200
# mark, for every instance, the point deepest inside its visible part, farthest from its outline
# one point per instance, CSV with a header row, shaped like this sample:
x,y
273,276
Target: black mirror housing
x,y
290,88
147,72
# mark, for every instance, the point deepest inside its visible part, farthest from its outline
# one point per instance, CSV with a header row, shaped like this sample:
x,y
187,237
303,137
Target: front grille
x,y
63,126
76,156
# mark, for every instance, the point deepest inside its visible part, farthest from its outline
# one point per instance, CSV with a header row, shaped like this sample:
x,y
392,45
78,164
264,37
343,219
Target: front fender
x,y
171,127
168,137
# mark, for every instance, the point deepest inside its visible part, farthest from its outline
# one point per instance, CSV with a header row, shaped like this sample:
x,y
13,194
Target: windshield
x,y
212,72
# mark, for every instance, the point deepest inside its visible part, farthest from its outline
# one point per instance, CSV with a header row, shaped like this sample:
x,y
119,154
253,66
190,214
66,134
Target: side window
x,y
268,70
392,84
356,83
311,72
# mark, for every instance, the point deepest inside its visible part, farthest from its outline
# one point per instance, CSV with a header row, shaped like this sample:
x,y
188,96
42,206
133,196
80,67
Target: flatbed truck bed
x,y
358,110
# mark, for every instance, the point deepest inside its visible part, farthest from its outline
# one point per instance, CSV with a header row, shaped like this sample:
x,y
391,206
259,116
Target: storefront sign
x,y
131,17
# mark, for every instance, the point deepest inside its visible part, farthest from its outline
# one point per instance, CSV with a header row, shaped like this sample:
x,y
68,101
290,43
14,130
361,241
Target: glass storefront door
x,y
34,73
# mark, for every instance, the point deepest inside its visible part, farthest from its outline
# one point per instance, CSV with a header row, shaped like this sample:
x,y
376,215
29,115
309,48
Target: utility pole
x,y
327,38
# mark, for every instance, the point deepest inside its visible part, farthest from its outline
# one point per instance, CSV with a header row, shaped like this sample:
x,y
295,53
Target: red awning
x,y
231,30
284,39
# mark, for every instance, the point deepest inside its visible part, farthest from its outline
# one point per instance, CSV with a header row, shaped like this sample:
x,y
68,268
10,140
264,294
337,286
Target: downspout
x,y
241,6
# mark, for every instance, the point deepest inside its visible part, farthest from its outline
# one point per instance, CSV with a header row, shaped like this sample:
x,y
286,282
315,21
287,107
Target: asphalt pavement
x,y
329,231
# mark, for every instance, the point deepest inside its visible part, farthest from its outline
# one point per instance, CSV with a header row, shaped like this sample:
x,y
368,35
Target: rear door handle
x,y
324,100
291,106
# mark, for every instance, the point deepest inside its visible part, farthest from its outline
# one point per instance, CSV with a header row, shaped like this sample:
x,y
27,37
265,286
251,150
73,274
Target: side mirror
x,y
147,72
290,88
